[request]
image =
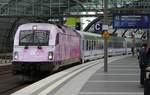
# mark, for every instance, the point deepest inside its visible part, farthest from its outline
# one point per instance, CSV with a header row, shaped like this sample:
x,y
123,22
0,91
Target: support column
x,y
105,40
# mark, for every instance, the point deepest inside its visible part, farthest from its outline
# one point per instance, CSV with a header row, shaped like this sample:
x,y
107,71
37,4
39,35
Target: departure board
x,y
135,21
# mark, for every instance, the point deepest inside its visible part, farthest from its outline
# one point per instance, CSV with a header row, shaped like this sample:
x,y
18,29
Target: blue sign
x,y
131,21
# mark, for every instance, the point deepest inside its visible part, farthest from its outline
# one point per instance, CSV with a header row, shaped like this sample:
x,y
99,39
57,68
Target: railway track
x,y
12,88
8,82
5,71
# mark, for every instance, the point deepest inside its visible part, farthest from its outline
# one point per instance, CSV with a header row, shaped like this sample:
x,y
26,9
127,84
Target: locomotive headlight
x,y
34,27
50,55
16,56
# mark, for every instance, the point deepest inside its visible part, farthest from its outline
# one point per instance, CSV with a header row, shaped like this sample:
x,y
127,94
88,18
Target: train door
x,y
61,46
64,51
58,47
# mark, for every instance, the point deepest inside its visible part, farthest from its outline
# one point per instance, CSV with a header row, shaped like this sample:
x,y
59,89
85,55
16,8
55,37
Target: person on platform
x,y
132,50
143,62
148,56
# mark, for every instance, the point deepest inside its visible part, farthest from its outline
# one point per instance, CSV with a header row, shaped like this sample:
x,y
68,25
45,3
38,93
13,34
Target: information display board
x,y
134,21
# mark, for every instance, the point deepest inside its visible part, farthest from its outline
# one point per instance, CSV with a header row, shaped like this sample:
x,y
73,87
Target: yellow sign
x,y
71,21
105,35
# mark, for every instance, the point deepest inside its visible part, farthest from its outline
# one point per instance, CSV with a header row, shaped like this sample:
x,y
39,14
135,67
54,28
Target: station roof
x,y
63,7
16,12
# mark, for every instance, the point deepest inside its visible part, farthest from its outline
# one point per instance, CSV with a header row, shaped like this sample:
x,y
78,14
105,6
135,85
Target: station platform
x,y
122,78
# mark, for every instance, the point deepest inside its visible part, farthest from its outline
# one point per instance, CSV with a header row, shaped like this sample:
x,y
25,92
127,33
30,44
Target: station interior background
x,y
16,12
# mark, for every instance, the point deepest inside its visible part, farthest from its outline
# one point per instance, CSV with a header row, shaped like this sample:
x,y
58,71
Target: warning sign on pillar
x,y
105,35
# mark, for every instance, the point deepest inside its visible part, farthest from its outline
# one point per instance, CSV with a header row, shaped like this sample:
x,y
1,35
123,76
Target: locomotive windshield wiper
x,y
26,44
26,39
26,36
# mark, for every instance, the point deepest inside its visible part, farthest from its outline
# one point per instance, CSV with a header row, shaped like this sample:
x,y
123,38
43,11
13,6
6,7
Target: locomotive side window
x,y
57,39
39,37
83,45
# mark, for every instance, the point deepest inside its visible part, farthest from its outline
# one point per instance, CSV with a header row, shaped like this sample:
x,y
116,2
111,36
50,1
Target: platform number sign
x,y
98,27
117,23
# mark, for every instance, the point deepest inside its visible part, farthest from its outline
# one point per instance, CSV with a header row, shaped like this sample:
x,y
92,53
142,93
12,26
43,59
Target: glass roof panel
x,y
60,7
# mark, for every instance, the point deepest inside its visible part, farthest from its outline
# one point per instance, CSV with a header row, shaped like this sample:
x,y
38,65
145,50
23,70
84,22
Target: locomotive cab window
x,y
38,37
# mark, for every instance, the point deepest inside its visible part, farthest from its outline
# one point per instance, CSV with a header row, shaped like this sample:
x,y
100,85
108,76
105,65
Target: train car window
x,y
110,44
118,44
82,44
57,39
90,45
29,37
94,45
101,45
87,44
98,43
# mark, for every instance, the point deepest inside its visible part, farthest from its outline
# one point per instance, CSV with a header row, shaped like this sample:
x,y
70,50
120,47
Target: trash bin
x,y
147,81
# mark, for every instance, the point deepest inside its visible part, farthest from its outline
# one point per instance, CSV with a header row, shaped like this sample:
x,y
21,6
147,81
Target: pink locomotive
x,y
43,47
